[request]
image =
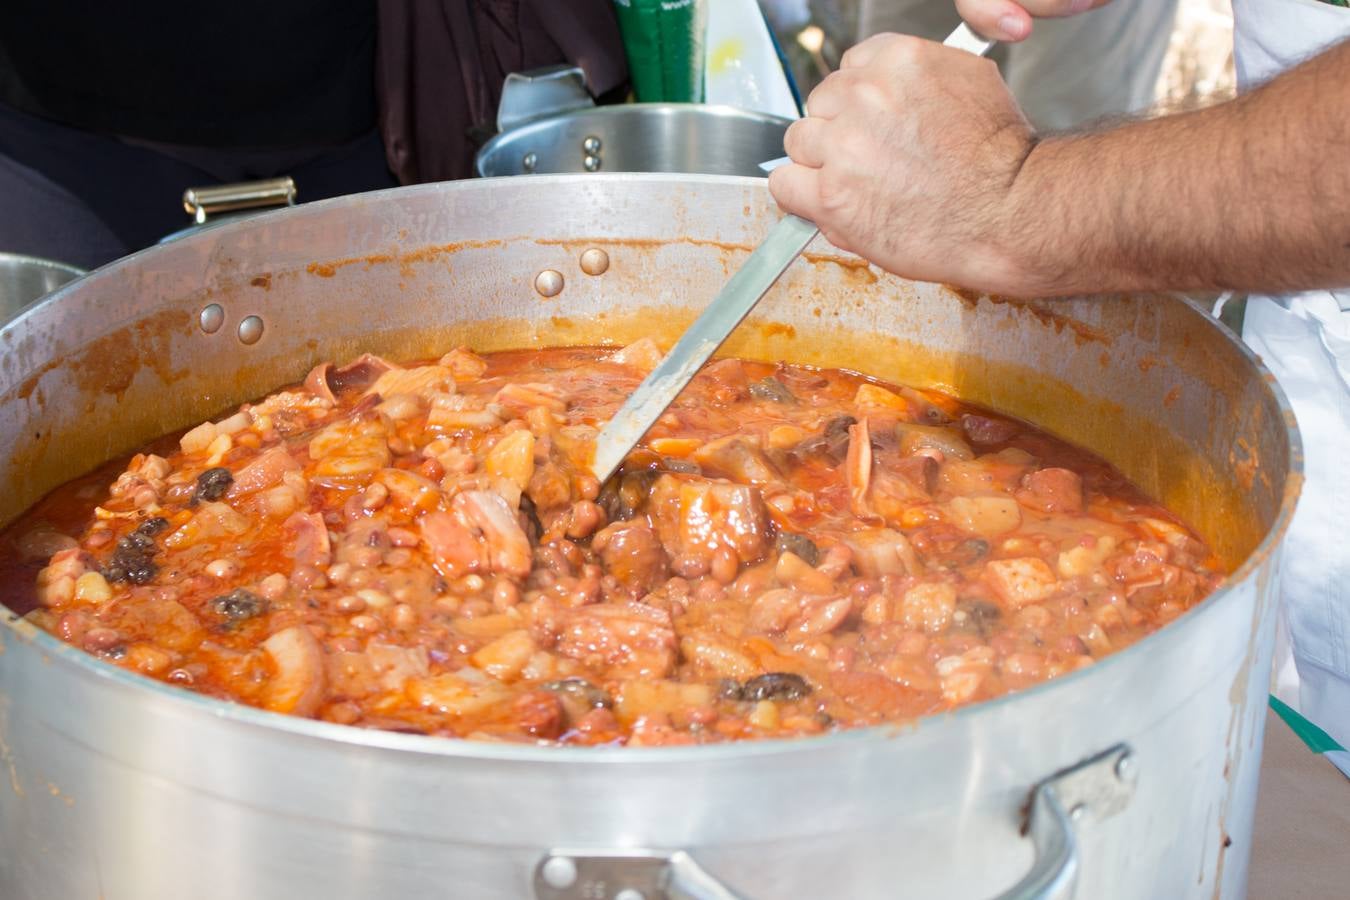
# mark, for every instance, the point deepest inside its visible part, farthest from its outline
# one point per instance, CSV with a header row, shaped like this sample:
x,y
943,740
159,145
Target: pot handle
x,y
626,875
549,91
1100,786
202,202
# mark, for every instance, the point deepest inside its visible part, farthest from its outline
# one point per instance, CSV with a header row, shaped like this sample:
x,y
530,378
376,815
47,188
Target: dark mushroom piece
x,y
776,686
212,484
730,689
799,545
975,616
131,557
582,690
238,605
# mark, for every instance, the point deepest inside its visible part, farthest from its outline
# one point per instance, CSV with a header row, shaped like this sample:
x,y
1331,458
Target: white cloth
x,y
1305,340
1070,71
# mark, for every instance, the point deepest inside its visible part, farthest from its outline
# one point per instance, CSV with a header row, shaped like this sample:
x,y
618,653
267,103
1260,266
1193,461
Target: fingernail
x,y
1014,28
1077,6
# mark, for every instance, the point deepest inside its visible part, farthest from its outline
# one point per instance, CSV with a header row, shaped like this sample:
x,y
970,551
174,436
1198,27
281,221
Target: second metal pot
x,y
23,279
638,137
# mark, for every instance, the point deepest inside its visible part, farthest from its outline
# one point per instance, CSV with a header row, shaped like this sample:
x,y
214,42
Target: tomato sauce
x,y
422,548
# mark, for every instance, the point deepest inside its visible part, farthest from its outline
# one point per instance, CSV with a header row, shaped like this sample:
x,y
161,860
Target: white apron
x,y
1305,340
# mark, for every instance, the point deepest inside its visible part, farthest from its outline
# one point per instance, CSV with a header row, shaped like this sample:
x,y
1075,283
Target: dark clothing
x,y
137,191
242,73
441,64
117,108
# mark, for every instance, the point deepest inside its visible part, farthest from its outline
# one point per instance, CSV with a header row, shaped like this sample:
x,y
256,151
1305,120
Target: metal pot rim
x,y
40,262
621,111
1183,629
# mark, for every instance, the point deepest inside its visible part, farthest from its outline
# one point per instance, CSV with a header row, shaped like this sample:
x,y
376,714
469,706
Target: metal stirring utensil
x,y
784,243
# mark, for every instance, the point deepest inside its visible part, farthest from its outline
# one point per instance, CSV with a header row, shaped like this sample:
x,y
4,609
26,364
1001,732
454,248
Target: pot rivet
x,y
1126,770
250,330
591,145
630,894
594,261
530,161
1077,812
559,872
591,163
211,318
549,282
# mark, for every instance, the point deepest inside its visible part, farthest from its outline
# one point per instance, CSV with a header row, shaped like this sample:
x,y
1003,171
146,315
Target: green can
x,y
664,40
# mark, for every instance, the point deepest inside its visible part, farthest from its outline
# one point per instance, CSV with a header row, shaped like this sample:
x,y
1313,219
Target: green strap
x,y
1318,741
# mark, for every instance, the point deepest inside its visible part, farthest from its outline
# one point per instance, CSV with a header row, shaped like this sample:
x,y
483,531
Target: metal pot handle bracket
x,y
1100,786
203,202
549,91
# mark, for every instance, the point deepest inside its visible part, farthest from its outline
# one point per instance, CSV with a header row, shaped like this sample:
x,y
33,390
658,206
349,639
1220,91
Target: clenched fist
x,y
907,158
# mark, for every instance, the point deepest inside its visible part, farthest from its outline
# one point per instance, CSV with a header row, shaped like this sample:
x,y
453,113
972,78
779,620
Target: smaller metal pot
x,y
24,279
548,124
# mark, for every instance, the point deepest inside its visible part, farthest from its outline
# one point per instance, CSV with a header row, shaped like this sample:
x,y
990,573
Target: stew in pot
x,y
423,549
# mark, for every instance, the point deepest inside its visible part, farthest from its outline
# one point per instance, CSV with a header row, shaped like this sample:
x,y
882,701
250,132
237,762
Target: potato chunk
x,y
1019,582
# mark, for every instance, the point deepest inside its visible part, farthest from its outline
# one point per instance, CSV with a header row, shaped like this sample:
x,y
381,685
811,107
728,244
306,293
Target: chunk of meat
x,y
455,549
700,519
874,697
939,441
1052,490
419,381
724,381
788,611
642,355
464,364
524,397
263,472
298,678
392,666
316,382
736,457
307,539
358,373
1022,581
538,713
506,546
900,486
632,639
883,551
986,431
963,676
632,553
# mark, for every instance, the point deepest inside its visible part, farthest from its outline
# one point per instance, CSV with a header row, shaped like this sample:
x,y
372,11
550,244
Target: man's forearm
x,y
1253,194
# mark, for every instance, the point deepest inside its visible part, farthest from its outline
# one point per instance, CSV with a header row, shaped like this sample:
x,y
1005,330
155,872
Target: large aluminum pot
x,y
1138,774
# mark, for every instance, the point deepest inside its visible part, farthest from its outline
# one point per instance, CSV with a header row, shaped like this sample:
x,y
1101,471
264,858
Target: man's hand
x,y
916,158
1006,20
907,158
